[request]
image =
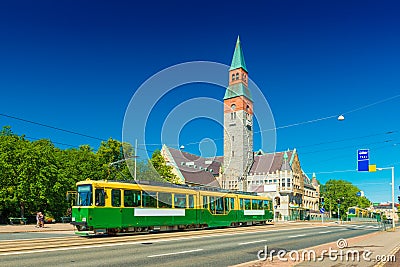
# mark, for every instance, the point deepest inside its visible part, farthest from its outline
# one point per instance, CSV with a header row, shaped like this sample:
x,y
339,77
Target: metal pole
x,y
393,211
135,158
338,213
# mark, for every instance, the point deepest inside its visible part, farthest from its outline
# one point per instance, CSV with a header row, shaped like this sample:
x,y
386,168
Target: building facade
x,y
278,175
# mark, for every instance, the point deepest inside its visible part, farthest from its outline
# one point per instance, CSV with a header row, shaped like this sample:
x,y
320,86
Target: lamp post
x,y
393,211
338,209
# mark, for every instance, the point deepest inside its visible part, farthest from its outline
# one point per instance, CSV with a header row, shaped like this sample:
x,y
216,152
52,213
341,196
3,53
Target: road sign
x,y
359,194
363,160
322,210
363,154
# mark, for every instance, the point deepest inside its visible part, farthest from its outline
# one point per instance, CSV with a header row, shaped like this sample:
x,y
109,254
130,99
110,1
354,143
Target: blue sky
x,y
76,64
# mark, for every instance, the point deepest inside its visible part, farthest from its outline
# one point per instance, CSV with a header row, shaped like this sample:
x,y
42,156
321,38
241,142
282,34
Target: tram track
x,y
77,241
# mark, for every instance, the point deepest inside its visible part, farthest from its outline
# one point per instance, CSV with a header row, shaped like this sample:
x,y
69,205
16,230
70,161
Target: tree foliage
x,y
344,193
159,164
36,176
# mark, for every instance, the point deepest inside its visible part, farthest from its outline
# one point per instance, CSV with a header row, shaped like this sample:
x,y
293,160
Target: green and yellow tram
x,y
359,214
114,206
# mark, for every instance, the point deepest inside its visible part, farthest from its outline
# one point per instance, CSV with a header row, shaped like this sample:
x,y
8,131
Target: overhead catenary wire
x,y
52,127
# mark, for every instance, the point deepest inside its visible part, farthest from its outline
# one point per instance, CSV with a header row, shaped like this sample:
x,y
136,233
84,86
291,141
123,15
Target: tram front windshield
x,y
84,195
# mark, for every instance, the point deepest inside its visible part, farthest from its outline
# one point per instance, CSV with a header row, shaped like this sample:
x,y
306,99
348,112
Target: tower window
x,y
233,138
233,106
233,153
237,76
233,115
233,77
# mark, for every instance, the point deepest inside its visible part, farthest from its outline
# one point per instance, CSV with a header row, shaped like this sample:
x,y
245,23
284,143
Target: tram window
x,y
84,195
266,205
164,200
180,201
232,203
116,197
260,204
254,204
205,202
131,198
191,202
247,204
149,199
99,196
226,204
212,204
219,207
241,204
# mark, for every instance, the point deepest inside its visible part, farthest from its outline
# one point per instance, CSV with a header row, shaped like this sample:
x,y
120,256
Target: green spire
x,y
285,156
238,58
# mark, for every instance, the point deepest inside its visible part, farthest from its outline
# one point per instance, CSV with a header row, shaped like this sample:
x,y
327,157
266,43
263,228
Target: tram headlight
x,y
84,219
73,219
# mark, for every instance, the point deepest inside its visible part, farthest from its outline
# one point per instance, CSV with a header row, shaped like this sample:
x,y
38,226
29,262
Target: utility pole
x,y
135,158
393,210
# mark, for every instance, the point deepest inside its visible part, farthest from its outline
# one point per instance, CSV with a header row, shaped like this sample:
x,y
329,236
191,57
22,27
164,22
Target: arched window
x,y
233,76
237,76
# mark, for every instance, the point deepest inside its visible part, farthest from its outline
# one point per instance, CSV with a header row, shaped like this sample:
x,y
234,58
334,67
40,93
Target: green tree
x,y
165,172
345,192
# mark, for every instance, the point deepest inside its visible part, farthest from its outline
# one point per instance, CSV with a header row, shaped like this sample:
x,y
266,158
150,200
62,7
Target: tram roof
x,y
180,186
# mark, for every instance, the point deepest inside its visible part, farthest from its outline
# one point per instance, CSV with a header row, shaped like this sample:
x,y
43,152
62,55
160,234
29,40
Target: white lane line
x,y
175,253
139,242
325,232
293,236
251,242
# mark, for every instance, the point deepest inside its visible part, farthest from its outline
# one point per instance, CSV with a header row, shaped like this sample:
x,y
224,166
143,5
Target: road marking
x,y
293,236
325,232
164,239
37,238
251,242
175,253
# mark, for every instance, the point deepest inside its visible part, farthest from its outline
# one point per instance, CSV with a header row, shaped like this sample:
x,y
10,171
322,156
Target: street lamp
x,y
393,211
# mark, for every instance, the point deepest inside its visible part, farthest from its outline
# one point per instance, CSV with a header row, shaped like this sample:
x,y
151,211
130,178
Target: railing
x,y
20,220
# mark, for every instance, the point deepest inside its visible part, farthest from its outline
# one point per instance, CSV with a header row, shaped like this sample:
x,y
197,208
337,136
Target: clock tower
x,y
238,125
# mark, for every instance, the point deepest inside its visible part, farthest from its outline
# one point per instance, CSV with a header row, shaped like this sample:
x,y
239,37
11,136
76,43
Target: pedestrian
x,y
37,219
41,219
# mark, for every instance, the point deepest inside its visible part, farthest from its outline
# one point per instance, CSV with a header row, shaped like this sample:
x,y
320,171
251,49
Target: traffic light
x,y
398,198
338,200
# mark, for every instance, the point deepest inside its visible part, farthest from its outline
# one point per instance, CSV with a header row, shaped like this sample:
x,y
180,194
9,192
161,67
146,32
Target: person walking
x,y
37,219
41,219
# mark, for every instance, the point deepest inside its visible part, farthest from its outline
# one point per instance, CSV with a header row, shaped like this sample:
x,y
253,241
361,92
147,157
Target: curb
x,y
287,263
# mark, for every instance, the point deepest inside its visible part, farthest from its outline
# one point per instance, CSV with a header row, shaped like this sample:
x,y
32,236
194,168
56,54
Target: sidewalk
x,y
17,228
379,244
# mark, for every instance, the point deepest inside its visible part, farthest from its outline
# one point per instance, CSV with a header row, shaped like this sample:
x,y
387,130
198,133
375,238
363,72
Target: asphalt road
x,y
33,235
222,249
